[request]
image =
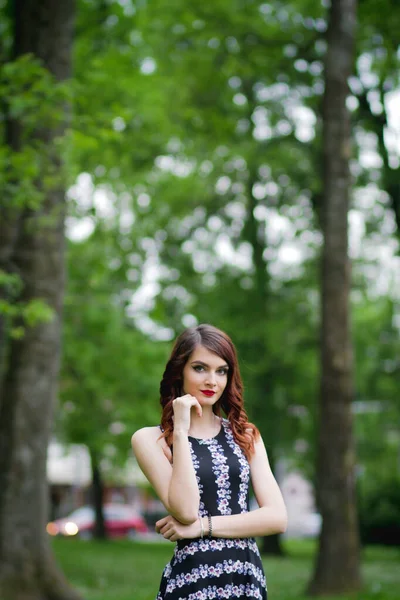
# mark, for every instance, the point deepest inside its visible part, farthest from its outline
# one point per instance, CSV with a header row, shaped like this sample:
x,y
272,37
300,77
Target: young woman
x,y
200,465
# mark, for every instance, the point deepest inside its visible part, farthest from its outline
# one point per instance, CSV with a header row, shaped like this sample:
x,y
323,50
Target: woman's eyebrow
x,y
203,364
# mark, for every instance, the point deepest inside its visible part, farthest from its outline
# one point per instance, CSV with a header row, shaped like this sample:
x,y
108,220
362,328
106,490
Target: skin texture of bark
x,y
28,383
337,568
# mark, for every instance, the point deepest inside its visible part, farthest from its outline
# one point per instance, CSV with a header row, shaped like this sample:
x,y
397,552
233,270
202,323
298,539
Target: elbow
x,y
282,523
184,514
186,517
276,521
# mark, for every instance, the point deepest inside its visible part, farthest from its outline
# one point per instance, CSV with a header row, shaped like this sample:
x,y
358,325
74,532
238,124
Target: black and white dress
x,y
217,568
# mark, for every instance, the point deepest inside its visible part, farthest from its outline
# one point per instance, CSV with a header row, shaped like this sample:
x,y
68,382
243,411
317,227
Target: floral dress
x,y
212,569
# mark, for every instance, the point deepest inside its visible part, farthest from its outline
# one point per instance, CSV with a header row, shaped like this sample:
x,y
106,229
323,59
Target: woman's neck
x,y
205,426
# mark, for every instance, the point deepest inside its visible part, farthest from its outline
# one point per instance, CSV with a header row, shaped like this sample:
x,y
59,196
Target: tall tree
x,y
34,249
337,565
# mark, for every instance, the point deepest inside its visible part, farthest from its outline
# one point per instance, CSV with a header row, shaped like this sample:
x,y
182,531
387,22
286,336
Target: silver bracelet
x,y
209,527
201,528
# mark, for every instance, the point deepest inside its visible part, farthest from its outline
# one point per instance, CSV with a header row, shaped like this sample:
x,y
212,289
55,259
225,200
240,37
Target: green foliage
x,y
110,371
31,94
35,312
10,283
186,123
173,132
20,315
378,347
120,121
376,342
35,101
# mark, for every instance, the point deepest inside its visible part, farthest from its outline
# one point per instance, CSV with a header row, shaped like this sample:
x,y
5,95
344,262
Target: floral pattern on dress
x,y
221,472
167,571
244,467
228,591
202,509
205,571
214,545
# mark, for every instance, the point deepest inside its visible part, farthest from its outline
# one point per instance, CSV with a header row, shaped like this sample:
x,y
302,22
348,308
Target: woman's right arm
x,y
175,484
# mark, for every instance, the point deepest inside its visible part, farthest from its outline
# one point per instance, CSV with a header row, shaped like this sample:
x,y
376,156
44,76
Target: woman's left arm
x,y
270,518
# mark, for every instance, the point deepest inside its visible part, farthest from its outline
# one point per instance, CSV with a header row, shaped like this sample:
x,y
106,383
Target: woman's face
x,y
205,376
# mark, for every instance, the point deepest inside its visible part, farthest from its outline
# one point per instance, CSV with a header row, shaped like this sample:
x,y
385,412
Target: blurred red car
x,y
120,521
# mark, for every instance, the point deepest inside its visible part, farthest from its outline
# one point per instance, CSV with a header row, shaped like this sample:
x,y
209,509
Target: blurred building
x,y
298,493
69,474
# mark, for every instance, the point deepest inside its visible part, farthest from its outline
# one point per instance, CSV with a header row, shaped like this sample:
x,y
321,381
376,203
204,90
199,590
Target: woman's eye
x,y
200,369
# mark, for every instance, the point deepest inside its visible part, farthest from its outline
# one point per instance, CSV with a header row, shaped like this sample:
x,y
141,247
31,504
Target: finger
x,y
159,525
168,533
196,405
187,400
164,529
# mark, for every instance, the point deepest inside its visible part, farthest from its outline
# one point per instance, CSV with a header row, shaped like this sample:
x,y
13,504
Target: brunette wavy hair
x,y
231,401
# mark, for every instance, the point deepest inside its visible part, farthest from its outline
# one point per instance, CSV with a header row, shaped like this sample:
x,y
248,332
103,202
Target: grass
x,y
124,570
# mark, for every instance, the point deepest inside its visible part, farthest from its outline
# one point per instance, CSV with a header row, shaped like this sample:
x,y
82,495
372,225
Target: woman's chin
x,y
204,401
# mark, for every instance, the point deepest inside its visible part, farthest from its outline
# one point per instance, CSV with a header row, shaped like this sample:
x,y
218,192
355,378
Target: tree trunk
x,y
10,220
28,385
97,498
9,227
337,568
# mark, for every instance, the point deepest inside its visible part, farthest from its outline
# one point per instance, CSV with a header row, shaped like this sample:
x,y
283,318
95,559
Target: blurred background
x,y
193,156
196,143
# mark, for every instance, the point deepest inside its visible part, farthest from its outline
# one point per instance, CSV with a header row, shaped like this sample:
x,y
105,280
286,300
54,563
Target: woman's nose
x,y
211,378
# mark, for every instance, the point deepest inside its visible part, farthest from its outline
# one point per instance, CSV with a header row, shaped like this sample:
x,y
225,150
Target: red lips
x,y
208,393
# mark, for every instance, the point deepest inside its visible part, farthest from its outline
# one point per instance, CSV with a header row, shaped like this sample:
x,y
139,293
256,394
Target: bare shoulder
x,y
254,434
147,433
154,458
148,438
144,436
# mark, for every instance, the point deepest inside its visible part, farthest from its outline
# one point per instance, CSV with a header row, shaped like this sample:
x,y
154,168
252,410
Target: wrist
x,y
201,527
206,526
180,433
205,523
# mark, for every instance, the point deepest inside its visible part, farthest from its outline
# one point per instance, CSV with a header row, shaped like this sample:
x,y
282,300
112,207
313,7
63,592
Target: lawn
x,y
124,570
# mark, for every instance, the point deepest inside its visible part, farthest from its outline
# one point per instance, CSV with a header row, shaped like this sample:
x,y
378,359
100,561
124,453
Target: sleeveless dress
x,y
217,568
